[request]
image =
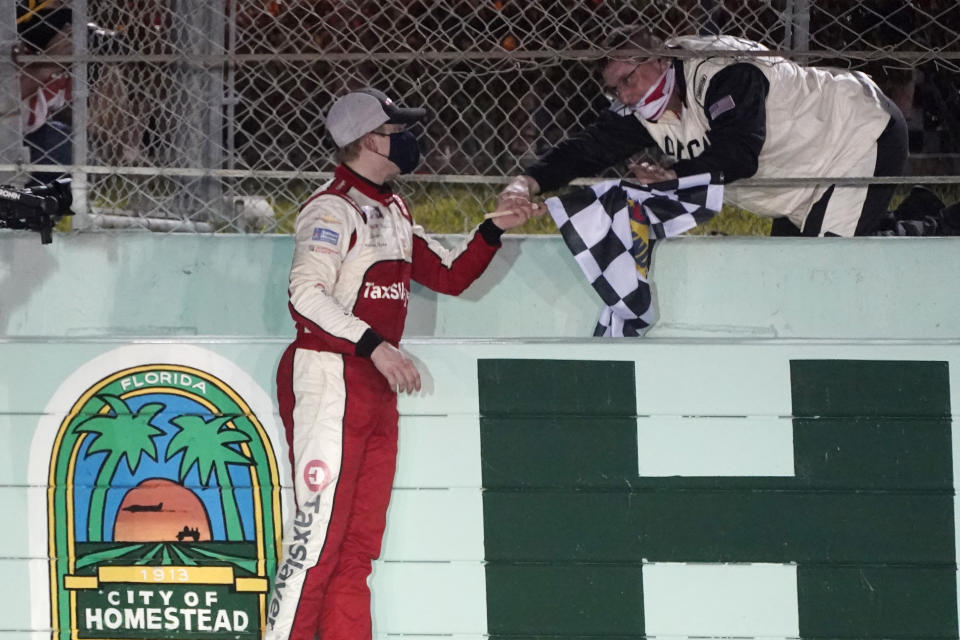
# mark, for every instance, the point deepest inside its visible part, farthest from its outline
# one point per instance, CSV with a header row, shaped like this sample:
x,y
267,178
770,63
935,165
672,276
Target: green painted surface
x,y
877,602
868,519
542,600
830,453
670,525
556,388
895,600
874,453
558,451
871,388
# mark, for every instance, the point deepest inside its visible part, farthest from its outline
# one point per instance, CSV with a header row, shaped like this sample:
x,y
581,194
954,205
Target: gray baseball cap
x,y
361,111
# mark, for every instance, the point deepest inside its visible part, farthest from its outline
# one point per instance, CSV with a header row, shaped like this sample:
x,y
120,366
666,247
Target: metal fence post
x,y
80,90
200,35
800,18
230,89
213,148
11,131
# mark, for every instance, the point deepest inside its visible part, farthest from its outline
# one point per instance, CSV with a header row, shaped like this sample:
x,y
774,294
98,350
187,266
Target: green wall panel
x,y
874,453
830,453
569,600
877,602
717,526
556,388
558,451
868,517
870,388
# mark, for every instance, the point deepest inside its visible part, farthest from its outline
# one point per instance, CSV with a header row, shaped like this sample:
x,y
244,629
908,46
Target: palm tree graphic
x,y
206,445
123,435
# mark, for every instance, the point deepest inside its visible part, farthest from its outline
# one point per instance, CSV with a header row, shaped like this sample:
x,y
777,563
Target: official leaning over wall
x,y
748,115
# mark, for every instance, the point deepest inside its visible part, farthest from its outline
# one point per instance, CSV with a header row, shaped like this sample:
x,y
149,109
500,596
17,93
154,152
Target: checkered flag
x,y
611,226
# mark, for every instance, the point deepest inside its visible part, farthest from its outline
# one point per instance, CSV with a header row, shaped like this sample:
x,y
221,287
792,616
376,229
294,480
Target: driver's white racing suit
x,y
356,252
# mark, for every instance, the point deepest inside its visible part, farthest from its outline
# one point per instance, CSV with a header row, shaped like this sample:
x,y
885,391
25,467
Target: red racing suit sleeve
x,y
452,270
325,230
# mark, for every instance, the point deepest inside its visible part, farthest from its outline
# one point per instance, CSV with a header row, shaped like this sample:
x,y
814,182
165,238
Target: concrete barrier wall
x,y
767,474
142,284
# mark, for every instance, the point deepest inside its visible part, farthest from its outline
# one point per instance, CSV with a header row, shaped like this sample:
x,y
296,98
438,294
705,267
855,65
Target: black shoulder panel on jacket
x,y
735,106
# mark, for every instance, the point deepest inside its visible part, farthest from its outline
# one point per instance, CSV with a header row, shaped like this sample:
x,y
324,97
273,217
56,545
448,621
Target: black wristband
x,y
491,233
367,343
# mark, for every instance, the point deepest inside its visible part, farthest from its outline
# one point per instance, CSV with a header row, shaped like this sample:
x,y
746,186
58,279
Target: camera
x,y
35,208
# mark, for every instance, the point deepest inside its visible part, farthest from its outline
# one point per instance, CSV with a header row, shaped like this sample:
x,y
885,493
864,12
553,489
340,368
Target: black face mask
x,y
404,151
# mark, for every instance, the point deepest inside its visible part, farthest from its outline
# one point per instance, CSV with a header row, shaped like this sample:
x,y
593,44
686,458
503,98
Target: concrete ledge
x,y
141,284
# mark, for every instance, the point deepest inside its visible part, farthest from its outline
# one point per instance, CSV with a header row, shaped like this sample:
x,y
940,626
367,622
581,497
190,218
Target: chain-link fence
x,y
207,115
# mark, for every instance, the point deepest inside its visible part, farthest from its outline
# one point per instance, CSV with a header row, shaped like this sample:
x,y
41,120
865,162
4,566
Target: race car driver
x,y
357,248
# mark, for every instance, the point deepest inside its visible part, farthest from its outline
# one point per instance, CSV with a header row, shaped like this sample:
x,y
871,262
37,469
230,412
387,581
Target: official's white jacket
x,y
745,116
819,123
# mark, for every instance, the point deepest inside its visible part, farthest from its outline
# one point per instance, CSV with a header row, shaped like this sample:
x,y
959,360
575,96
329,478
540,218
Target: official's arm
x,y
611,139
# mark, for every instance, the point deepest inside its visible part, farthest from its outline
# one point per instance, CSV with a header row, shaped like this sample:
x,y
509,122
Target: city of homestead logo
x,y
163,509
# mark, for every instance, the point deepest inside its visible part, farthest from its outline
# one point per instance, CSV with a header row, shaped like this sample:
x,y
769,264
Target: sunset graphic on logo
x,y
151,456
159,509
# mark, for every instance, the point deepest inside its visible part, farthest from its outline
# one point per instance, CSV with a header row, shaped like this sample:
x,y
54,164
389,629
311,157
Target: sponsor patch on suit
x,y
322,234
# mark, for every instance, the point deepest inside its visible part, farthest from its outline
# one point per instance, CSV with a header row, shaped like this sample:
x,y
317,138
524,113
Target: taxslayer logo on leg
x,y
164,505
316,474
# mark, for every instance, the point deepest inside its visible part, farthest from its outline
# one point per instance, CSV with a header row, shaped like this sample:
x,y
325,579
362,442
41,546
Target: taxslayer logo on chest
x,y
395,291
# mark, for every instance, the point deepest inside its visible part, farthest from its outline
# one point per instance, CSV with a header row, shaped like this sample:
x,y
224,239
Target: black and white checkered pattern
x,y
595,223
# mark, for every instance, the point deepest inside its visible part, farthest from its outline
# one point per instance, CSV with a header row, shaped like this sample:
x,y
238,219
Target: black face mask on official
x,y
404,150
